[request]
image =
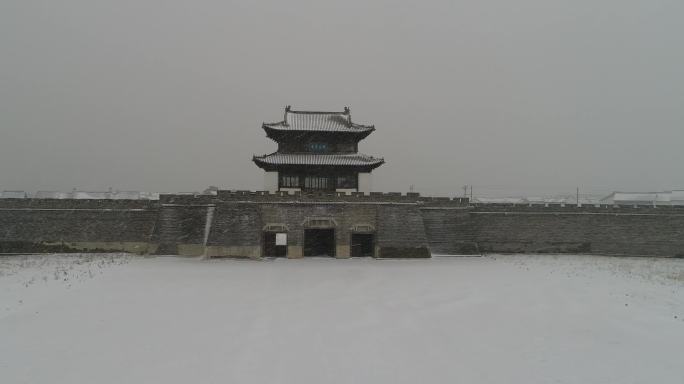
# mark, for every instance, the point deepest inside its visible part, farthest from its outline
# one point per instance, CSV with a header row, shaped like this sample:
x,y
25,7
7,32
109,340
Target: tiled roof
x,y
356,159
318,121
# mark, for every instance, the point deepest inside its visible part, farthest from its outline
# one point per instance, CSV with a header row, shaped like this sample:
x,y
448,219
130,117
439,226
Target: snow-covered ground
x,y
496,319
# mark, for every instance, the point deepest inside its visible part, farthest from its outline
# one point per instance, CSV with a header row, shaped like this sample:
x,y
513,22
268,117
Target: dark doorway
x,y
319,242
362,245
271,249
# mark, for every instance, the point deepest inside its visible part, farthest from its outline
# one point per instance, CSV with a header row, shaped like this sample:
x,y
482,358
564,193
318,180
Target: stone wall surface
x,y
449,231
236,224
179,225
643,231
35,225
401,232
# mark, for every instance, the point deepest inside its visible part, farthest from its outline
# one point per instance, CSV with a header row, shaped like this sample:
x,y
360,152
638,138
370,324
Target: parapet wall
x,y
101,204
302,197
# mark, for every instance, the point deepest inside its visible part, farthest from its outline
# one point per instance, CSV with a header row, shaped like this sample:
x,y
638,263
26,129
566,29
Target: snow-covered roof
x,y
149,195
547,200
354,159
318,121
629,197
89,195
535,200
125,195
499,200
677,196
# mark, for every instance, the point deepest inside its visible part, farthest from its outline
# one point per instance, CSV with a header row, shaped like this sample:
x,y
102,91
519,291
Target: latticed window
x,y
289,181
316,182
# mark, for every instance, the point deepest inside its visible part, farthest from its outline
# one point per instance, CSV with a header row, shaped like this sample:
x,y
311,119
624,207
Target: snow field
x,y
514,319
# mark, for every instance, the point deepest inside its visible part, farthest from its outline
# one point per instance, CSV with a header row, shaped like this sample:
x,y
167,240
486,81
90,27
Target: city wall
x,y
233,223
633,231
54,225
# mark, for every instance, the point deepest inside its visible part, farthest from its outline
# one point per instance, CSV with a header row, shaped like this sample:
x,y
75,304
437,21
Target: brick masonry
x,y
232,223
643,231
45,225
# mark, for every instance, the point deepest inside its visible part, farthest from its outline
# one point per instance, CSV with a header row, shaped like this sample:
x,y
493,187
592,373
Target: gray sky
x,y
527,96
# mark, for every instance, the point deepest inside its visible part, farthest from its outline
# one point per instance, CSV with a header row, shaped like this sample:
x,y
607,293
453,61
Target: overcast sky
x,y
513,97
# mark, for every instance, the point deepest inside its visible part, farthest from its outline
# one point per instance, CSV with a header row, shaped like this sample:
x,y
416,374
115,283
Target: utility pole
x,y
578,202
471,192
465,190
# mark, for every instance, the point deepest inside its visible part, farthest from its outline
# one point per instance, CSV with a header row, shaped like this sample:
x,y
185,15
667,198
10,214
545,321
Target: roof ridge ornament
x,y
287,110
348,113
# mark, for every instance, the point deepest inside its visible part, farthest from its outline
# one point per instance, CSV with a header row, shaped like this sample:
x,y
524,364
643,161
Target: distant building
x,y
677,198
52,195
498,200
317,151
665,198
523,200
13,195
97,195
546,201
90,195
